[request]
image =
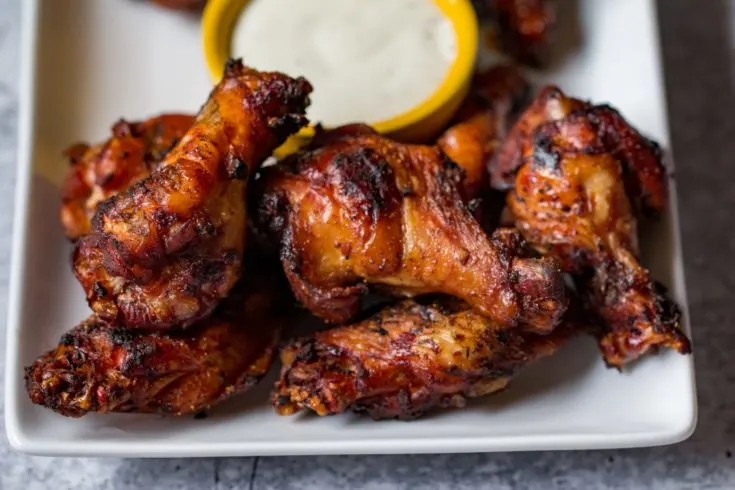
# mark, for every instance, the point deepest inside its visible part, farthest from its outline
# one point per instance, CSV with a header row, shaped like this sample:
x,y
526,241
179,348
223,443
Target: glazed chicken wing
x,y
99,367
570,201
523,27
98,172
363,209
166,250
406,360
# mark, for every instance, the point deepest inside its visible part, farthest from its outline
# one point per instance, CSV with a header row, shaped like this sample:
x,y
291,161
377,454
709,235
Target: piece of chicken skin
x,y
570,201
98,172
482,122
551,104
166,250
99,367
405,360
364,210
523,28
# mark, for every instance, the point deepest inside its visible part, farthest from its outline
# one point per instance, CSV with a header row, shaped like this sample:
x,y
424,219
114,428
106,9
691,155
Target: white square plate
x,y
89,62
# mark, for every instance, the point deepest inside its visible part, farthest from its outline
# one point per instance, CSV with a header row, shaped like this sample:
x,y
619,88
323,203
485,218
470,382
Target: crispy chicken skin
x,y
570,201
549,105
98,367
405,360
98,172
481,123
164,251
363,209
523,27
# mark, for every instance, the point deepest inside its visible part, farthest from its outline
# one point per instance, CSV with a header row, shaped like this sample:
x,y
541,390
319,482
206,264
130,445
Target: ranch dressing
x,y
368,60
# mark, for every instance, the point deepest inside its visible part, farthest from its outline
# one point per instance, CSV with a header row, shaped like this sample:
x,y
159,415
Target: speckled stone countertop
x,y
699,44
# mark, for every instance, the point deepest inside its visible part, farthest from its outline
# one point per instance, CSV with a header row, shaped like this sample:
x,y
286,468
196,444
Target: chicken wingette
x,y
167,249
99,367
358,209
405,360
580,181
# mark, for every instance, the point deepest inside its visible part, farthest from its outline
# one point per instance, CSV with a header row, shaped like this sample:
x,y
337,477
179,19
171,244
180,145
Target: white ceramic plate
x,y
88,62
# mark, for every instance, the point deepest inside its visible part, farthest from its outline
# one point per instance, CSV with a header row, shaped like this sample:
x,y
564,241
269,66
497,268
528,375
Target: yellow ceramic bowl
x,y
415,125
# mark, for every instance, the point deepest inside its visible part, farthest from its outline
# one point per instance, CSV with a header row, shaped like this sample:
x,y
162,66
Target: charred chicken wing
x,y
98,172
99,367
406,360
363,209
167,249
570,201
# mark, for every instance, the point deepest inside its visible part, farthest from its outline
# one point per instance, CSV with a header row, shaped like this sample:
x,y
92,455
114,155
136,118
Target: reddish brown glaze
x,y
406,360
100,368
98,172
570,201
164,251
366,210
549,105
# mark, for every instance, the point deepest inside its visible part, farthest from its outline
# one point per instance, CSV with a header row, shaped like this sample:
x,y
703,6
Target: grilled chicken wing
x,y
98,172
523,27
363,209
167,249
99,367
406,360
570,201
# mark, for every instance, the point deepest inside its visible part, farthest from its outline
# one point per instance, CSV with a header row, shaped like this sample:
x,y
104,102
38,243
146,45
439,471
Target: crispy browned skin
x,y
101,368
482,122
164,251
98,172
523,27
406,360
549,105
570,201
366,210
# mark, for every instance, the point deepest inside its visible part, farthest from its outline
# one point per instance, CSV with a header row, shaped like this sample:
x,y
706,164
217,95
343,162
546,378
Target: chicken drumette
x,y
98,172
100,367
359,209
166,250
405,360
573,200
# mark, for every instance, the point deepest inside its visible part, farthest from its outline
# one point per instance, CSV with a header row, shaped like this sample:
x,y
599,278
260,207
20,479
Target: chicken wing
x,y
98,172
523,27
100,367
363,209
570,201
406,360
167,249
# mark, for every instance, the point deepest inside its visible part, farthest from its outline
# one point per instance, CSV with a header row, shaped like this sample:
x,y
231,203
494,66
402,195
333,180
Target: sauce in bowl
x,y
369,60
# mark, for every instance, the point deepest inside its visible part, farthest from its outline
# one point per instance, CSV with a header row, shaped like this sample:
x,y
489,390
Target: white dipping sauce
x,y
368,60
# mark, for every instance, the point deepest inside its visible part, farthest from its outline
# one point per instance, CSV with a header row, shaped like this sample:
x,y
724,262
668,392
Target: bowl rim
x,y
218,22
